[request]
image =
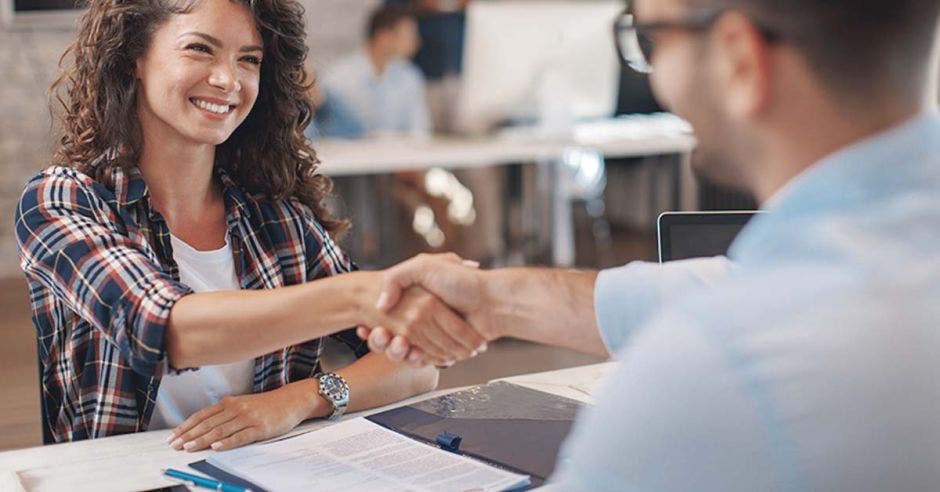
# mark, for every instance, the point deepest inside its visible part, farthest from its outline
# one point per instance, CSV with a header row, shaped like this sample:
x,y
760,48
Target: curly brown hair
x,y
267,154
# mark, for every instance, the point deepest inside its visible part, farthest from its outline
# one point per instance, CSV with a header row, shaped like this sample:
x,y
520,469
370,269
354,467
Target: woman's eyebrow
x,y
218,42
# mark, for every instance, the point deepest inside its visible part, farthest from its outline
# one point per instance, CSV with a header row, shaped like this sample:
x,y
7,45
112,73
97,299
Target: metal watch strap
x,y
334,389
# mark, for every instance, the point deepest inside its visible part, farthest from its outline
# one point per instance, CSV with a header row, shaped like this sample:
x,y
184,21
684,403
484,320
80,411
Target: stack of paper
x,y
358,455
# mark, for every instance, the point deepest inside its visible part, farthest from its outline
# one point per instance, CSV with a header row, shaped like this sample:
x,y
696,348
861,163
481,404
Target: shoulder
x,y
410,72
61,176
59,186
765,298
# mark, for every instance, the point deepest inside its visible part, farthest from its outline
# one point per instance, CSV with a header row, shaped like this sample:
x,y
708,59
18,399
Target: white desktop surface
x,y
135,461
382,155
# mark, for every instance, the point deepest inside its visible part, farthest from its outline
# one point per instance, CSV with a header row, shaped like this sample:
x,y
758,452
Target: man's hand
x,y
456,282
239,420
426,322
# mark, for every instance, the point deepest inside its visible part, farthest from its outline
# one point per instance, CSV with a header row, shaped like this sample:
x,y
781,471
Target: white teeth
x,y
215,108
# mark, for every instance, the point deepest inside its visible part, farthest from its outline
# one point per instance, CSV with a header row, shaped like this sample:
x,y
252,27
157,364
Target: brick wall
x,y
29,60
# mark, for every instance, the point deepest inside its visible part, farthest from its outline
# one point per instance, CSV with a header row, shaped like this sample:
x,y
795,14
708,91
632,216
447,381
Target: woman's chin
x,y
211,138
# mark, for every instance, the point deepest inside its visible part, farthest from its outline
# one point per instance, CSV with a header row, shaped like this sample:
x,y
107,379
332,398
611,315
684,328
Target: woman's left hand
x,y
239,420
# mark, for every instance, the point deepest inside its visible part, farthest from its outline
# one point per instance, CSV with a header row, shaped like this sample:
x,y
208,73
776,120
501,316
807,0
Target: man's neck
x,y
379,58
800,146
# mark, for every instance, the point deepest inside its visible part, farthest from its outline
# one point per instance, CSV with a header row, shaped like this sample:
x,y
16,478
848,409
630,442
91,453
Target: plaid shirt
x,y
102,281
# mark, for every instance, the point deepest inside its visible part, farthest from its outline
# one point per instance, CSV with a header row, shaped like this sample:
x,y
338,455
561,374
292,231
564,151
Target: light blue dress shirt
x,y
812,364
391,103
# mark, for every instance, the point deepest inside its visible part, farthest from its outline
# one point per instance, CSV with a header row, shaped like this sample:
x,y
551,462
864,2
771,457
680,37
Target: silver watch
x,y
336,391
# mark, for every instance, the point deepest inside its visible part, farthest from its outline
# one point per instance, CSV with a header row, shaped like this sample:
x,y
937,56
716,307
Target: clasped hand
x,y
457,283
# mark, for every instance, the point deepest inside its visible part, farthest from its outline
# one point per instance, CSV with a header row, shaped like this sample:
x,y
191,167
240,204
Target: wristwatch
x,y
336,391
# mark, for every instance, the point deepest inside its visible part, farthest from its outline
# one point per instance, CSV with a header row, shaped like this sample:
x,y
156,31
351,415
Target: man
x,y
813,363
441,24
378,86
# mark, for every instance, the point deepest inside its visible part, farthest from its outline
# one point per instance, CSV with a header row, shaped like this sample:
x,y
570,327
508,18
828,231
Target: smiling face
x,y
199,78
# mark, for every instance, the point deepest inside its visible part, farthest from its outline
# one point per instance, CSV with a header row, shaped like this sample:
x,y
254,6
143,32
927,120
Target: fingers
x,y
408,273
394,281
398,349
245,436
460,331
363,332
379,338
181,434
216,434
207,431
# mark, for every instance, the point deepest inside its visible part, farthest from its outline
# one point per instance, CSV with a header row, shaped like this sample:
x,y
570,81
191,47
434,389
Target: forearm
x,y
373,381
550,306
223,327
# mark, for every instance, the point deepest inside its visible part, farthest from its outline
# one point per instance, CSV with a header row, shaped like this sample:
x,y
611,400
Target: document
x,y
359,455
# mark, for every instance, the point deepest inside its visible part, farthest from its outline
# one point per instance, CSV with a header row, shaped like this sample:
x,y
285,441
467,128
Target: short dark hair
x,y
387,17
846,42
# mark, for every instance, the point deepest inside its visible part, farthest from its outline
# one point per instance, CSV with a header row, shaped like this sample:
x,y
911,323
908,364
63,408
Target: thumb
x,y
394,281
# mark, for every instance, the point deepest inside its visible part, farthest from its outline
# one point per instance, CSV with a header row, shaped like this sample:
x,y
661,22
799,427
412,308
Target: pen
x,y
206,483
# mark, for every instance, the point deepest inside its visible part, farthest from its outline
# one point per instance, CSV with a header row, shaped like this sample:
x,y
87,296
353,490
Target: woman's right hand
x,y
426,322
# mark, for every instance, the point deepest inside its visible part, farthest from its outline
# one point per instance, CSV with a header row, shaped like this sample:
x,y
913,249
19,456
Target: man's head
x,y
758,76
395,31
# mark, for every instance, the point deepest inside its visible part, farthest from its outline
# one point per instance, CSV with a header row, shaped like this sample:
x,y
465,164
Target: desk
x,y
392,154
134,461
378,156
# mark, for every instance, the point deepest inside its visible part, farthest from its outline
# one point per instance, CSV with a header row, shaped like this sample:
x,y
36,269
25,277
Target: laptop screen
x,y
684,235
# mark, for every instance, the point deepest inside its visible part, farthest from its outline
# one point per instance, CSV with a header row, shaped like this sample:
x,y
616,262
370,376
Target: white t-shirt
x,y
182,395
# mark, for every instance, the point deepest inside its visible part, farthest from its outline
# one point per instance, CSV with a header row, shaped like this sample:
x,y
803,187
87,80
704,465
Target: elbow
x,y
181,348
175,349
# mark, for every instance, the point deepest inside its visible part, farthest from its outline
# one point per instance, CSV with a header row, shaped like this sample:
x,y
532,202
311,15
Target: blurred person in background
x,y
380,87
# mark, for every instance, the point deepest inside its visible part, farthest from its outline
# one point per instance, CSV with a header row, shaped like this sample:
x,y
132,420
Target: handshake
x,y
433,309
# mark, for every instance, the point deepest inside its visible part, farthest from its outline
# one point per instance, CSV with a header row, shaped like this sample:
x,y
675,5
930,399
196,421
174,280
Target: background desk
x,y
381,156
134,461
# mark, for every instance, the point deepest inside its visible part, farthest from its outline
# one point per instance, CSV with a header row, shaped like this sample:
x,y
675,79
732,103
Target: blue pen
x,y
206,483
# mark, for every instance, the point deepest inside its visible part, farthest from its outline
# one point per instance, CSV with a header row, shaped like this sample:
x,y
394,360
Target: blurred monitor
x,y
636,94
545,62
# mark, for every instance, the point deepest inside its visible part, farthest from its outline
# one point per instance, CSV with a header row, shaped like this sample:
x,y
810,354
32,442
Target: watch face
x,y
334,387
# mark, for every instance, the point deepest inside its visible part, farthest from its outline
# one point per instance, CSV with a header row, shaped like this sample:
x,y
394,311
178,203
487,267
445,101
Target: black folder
x,y
503,424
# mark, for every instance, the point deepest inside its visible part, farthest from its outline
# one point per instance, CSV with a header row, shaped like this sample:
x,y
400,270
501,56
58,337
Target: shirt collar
x,y
853,168
129,185
898,161
130,188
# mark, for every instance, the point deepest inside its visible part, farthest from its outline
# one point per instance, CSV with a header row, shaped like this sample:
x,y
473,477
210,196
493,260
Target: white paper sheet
x,y
359,455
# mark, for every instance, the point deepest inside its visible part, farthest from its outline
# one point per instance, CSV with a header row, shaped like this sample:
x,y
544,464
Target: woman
x,y
182,167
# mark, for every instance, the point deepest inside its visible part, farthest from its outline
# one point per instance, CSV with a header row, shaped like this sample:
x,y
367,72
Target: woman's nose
x,y
224,77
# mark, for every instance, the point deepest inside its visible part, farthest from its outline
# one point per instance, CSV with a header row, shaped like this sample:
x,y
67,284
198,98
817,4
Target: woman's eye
x,y
254,60
200,48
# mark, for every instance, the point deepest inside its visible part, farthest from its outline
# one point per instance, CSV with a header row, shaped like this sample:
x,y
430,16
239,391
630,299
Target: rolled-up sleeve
x,y
627,297
69,242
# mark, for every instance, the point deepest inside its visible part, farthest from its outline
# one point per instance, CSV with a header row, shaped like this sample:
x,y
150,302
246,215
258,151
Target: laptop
x,y
684,235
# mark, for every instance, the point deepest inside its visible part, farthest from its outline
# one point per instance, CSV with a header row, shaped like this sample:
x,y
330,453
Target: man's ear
x,y
743,65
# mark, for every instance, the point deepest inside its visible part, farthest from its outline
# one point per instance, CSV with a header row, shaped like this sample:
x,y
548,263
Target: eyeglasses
x,y
635,43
